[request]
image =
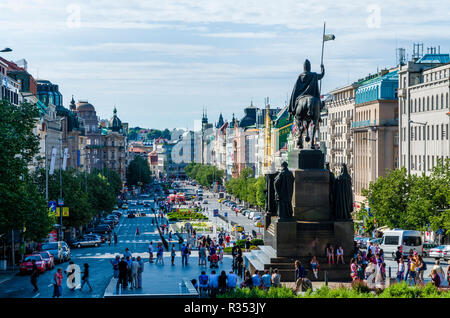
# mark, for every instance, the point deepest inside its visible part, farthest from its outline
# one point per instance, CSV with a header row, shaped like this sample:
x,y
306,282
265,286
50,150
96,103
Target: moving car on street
x,y
87,240
27,266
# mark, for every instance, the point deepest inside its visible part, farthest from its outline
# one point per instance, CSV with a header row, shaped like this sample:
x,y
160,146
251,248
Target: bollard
x,y
389,272
326,278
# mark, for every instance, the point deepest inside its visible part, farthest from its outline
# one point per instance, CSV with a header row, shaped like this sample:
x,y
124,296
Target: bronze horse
x,y
307,110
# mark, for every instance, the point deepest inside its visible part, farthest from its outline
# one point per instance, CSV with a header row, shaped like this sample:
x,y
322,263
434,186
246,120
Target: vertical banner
x,y
78,158
52,161
52,207
66,155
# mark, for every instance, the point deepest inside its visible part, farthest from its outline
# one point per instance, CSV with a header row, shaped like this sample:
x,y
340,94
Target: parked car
x,y
113,218
142,213
442,251
118,213
131,214
87,240
101,228
56,249
26,266
109,222
427,247
205,202
48,258
125,207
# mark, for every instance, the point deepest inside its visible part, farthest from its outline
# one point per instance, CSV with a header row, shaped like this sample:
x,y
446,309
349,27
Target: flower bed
x,y
185,215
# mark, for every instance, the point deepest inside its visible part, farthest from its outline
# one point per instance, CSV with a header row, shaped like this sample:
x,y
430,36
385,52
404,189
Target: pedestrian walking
x,y
173,254
137,231
150,252
159,254
300,275
140,271
85,278
34,276
57,280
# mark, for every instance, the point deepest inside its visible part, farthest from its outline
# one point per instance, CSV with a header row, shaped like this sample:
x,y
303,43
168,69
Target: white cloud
x,y
242,35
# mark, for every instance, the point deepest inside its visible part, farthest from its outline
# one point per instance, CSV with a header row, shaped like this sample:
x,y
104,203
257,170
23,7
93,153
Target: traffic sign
x,y
60,201
439,232
216,212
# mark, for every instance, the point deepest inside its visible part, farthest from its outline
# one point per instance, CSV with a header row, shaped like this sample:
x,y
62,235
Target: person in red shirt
x,y
57,280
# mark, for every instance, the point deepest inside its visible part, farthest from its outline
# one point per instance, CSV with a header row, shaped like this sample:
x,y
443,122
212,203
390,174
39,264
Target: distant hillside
x,y
145,134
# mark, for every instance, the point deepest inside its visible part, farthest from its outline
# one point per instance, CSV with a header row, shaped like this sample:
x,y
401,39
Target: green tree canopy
x,y
138,171
21,203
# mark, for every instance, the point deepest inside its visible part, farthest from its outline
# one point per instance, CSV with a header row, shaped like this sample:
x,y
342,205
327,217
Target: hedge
x,y
358,290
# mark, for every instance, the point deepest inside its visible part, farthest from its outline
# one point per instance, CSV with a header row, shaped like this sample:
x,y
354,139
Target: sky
x,y
161,62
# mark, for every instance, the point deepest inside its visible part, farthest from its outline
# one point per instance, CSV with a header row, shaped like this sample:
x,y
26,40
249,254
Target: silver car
x,y
442,251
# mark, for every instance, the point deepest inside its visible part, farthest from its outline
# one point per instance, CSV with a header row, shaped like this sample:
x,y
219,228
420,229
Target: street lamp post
x,y
424,143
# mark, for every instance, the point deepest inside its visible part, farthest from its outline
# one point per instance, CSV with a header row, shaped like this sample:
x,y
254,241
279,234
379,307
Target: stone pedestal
x,y
306,159
311,195
281,235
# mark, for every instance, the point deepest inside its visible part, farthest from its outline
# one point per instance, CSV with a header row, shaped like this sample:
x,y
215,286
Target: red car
x,y
27,266
48,258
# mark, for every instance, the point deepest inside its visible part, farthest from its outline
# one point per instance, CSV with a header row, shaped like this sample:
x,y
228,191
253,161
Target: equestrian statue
x,y
305,103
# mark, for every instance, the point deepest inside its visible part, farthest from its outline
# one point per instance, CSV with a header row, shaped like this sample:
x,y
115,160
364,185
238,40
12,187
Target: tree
x,y
399,200
101,193
21,203
138,171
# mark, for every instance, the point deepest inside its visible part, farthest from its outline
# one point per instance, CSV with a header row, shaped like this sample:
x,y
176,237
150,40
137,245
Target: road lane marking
x,y
36,295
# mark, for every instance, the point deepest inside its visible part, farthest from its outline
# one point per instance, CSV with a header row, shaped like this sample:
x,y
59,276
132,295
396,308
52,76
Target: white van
x,y
408,240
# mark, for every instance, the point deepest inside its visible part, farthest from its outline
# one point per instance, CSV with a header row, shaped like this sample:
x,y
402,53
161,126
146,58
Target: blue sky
x,y
160,62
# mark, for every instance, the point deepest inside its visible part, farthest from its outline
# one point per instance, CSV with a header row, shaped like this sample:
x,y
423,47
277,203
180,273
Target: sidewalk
x,y
8,274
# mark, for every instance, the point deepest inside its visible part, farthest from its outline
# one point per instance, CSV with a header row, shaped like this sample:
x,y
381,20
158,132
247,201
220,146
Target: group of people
x,y
369,265
414,268
128,270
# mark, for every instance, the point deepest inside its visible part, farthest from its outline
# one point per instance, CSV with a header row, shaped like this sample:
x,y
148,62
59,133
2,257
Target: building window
x,y
428,103
432,102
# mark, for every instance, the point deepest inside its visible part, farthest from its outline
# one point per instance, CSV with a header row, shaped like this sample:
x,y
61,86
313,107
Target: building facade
x,y
375,130
424,112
